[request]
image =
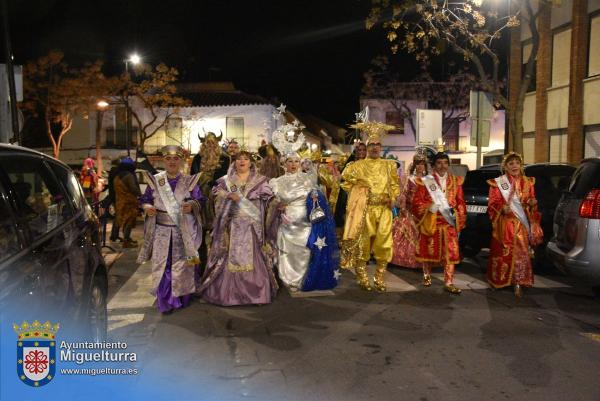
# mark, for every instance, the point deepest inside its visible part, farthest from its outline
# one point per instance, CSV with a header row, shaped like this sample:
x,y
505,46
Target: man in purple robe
x,y
172,232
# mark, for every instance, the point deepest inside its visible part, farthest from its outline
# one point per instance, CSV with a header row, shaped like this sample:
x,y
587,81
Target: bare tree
x,y
157,93
451,96
472,30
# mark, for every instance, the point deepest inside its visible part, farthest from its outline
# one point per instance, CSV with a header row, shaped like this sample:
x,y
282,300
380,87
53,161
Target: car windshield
x,y
476,180
586,178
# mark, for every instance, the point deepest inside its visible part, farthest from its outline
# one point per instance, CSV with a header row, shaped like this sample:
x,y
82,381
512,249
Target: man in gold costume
x,y
372,185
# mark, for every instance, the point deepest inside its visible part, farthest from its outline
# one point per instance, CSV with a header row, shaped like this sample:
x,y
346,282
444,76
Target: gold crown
x,y
36,330
373,129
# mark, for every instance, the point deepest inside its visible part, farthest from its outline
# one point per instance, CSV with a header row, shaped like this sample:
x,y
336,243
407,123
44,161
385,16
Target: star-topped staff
x,y
337,274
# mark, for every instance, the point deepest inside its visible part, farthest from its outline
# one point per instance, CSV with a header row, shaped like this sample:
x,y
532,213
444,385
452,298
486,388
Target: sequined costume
x,y
404,232
438,240
293,232
509,262
174,276
372,185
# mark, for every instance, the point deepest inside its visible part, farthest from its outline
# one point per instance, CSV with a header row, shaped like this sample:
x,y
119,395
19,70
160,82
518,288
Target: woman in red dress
x,y
512,208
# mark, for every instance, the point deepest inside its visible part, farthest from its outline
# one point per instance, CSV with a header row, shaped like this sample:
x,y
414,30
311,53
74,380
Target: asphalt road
x,y
411,343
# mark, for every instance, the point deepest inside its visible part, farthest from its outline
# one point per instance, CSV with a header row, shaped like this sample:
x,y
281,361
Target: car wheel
x,y
97,313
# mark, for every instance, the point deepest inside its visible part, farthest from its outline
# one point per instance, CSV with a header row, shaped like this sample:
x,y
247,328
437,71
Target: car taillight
x,y
590,207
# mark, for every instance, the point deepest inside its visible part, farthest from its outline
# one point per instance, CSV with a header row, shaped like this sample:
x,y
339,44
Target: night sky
x,y
309,54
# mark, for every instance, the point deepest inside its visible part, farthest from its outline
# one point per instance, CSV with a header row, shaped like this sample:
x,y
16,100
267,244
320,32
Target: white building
x,y
402,142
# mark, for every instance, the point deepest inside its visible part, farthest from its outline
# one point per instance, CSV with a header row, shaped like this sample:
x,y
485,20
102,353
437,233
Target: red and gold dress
x,y
404,232
438,240
510,261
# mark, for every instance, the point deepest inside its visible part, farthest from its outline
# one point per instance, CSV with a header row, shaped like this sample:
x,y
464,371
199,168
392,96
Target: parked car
x,y
51,267
575,247
550,180
459,169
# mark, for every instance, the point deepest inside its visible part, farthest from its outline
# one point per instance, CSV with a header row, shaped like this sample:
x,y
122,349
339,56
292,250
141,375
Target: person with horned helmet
x,y
439,208
172,231
210,163
372,186
512,207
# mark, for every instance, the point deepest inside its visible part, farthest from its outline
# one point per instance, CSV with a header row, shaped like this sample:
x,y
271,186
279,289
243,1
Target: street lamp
x,y
134,59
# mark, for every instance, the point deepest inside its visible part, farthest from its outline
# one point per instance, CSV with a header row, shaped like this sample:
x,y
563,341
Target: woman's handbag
x,y
317,214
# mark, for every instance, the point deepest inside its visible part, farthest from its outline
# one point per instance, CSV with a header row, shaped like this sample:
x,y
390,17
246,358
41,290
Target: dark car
x,y
51,268
550,180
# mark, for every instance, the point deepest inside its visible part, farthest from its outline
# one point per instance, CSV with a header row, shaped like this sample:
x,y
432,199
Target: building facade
x,y
402,141
560,119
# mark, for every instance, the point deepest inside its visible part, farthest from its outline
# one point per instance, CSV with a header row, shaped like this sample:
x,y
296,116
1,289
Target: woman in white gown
x,y
291,191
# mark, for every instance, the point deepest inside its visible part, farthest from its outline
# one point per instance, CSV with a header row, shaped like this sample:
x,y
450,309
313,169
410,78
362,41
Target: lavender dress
x,y
238,272
174,281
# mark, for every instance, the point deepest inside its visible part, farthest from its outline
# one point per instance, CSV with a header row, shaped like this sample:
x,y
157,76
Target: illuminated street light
x,y
135,59
103,104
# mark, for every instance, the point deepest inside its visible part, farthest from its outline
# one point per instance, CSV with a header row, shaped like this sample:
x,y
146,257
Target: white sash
x,y
168,198
246,207
515,203
439,198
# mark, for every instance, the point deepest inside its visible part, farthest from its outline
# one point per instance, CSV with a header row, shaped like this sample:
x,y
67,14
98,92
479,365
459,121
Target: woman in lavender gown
x,y
238,271
172,232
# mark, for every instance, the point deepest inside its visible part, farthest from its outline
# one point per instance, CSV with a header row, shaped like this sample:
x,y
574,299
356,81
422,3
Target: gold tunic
x,y
375,179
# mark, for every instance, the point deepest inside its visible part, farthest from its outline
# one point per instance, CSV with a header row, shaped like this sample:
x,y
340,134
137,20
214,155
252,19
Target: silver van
x,y
575,247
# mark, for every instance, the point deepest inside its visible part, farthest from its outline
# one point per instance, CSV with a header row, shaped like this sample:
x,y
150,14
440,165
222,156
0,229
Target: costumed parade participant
x,y
127,192
405,234
372,187
211,163
270,165
302,225
233,148
439,208
359,153
301,228
89,181
238,271
172,231
512,208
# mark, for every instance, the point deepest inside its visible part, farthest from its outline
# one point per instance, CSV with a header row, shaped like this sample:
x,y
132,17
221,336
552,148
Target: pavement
x,y
411,343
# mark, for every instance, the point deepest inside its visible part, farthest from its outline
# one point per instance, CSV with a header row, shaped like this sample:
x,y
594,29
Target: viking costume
x,y
171,238
210,163
372,187
439,208
512,232
238,270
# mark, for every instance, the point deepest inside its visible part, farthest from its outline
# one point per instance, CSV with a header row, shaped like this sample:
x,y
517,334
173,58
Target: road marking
x,y
393,283
593,336
116,321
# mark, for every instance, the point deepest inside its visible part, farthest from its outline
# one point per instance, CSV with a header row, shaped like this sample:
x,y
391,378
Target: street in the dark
x,y
410,343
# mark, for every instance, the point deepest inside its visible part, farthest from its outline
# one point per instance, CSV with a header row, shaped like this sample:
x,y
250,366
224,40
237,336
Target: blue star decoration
x,y
320,243
337,274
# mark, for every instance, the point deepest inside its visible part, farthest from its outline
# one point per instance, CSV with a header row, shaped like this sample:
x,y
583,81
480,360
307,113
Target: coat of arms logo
x,y
36,352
